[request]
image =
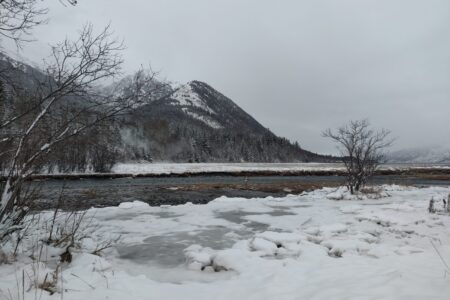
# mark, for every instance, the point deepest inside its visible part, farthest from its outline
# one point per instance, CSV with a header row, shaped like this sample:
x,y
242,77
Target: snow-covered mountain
x,y
197,123
190,123
435,155
203,103
193,105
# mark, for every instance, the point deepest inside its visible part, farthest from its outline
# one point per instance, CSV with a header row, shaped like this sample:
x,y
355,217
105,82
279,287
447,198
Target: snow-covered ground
x,y
179,168
323,244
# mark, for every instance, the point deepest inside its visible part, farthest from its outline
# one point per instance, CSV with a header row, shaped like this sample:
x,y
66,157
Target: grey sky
x,y
297,66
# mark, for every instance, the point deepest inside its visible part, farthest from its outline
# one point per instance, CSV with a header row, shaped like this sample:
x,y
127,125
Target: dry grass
x,y
90,193
283,188
371,190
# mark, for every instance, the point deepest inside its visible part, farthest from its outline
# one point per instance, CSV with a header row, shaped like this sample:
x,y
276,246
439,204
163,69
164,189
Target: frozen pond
x,y
166,253
167,250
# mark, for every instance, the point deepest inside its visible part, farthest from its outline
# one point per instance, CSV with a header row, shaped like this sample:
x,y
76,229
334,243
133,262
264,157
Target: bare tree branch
x,y
19,17
66,102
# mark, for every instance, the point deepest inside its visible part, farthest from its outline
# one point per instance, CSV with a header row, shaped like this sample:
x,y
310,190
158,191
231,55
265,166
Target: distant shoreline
x,y
441,172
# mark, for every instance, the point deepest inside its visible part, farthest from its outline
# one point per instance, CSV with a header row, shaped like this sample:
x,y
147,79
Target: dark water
x,y
84,193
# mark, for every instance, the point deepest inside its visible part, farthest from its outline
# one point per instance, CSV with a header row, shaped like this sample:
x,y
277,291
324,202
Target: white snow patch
x,y
134,204
205,119
180,168
187,97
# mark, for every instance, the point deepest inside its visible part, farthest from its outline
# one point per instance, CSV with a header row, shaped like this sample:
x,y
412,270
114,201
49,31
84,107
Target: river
x,y
85,193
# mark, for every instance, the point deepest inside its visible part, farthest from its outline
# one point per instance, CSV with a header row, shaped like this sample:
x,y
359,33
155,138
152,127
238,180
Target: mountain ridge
x,y
209,127
191,123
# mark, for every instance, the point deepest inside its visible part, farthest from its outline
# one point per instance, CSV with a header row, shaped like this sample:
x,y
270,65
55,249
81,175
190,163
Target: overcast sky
x,y
297,66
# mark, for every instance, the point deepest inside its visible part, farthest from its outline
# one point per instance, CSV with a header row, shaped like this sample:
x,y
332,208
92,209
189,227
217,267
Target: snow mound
x,y
351,209
339,194
337,247
198,258
264,246
283,244
333,228
134,204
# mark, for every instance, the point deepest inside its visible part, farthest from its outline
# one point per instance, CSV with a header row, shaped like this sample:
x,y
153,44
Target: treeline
x,y
96,149
161,133
155,131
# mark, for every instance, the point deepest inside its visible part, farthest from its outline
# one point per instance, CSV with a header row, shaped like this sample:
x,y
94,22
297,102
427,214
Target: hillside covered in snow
x,y
434,155
189,123
196,123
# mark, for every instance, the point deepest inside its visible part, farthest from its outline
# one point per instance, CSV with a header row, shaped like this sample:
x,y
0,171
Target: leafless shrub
x,y
370,190
431,208
102,246
448,203
50,285
36,277
362,150
68,233
19,236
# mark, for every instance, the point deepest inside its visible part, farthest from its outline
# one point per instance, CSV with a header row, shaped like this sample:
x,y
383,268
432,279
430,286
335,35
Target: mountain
x,y
436,155
201,102
190,123
196,123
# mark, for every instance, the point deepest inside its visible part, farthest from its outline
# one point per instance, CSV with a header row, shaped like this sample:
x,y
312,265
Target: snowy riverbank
x,y
181,168
324,244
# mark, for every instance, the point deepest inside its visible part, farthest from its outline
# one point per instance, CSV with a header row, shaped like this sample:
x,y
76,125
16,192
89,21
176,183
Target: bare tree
x,y
65,101
362,150
19,17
